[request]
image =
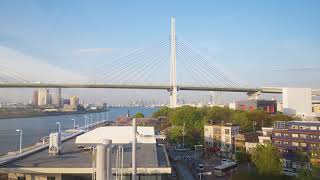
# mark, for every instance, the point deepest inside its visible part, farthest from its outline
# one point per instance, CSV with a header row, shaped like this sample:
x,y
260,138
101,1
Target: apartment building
x,y
297,136
221,136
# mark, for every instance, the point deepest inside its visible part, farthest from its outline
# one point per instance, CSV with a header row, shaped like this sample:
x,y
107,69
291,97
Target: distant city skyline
x,y
269,43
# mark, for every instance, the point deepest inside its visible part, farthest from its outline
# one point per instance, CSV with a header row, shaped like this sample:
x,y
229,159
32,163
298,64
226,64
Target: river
x,y
36,127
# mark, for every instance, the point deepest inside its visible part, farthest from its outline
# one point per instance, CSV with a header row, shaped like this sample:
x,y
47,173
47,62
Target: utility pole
x,y
173,67
134,148
183,133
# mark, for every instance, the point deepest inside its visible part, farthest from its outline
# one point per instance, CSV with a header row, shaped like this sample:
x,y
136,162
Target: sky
x,y
256,43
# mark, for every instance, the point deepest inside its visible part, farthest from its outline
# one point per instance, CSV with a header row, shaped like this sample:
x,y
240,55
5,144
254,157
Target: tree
x,y
267,159
139,115
164,111
218,115
241,118
242,156
175,135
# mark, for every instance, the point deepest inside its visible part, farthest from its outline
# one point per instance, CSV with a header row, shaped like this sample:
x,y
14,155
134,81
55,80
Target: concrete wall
x,y
297,101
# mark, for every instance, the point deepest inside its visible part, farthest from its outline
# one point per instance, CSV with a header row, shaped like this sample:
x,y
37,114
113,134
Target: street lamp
x,y
19,130
85,122
59,124
74,123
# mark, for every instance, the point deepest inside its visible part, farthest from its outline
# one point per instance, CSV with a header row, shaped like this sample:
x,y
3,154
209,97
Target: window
x,y
295,144
265,141
227,138
294,127
295,135
313,128
304,127
303,144
303,136
313,136
285,142
277,134
285,134
277,142
21,178
313,145
226,131
51,178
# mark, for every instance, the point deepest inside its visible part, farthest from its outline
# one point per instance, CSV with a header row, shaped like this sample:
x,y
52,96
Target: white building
x,y
297,101
266,135
221,136
43,97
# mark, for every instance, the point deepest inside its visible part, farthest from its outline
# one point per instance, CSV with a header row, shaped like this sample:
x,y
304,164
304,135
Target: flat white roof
x,y
118,135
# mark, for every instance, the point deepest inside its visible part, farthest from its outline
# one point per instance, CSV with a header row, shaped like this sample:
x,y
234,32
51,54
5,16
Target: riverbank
x,y
13,115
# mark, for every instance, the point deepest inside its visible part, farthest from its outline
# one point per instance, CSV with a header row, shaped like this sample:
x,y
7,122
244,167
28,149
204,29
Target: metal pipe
x,y
117,164
121,176
109,164
134,144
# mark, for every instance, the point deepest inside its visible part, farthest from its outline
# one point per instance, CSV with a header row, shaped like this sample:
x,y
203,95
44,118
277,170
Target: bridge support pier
x,y
173,67
173,97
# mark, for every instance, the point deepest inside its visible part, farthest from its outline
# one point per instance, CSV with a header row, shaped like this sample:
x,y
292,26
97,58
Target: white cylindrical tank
x,y
103,160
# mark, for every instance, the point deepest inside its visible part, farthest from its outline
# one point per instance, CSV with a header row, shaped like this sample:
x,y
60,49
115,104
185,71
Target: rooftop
x,y
148,156
118,135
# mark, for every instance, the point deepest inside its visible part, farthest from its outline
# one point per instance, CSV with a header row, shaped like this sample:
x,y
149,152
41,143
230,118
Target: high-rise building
x,y
59,97
35,98
56,98
43,97
74,101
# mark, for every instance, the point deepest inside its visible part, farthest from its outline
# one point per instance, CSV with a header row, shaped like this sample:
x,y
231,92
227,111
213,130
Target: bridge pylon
x,y
173,67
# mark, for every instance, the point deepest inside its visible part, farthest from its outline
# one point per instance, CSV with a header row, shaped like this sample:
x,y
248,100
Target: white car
x,y
223,161
200,167
289,172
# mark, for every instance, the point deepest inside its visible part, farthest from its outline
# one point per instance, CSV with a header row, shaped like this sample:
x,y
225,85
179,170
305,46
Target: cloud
x,y
96,50
35,70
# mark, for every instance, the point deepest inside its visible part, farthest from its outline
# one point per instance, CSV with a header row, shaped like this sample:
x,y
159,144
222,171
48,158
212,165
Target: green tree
x,y
218,115
139,115
241,118
242,156
175,135
163,111
267,159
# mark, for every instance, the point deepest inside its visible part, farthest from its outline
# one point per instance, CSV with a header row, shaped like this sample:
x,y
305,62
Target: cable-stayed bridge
x,y
147,68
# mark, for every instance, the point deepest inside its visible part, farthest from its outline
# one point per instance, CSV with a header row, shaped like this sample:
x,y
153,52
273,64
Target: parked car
x,y
173,175
289,172
200,167
223,161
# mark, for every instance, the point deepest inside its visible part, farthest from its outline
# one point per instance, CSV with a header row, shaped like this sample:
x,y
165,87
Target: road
x,y
183,172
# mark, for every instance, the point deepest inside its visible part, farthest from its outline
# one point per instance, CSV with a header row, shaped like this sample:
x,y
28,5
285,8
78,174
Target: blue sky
x,y
260,43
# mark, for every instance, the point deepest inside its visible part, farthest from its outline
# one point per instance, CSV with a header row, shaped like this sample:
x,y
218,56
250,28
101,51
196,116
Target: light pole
x,y
183,133
74,123
19,130
59,124
98,116
85,122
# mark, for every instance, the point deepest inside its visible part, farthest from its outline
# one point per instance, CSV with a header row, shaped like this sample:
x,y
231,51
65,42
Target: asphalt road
x,y
183,172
